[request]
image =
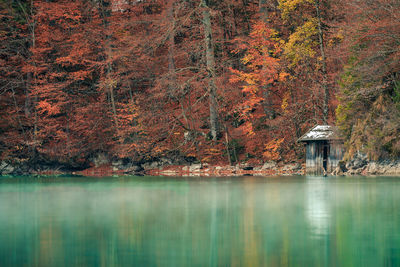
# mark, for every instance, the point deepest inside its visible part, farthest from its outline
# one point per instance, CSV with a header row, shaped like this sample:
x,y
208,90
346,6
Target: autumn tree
x,y
73,120
306,46
14,105
369,110
212,80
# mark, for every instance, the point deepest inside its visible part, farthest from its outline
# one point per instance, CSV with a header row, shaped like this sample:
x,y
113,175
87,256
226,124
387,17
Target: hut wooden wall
x,y
336,153
315,156
312,158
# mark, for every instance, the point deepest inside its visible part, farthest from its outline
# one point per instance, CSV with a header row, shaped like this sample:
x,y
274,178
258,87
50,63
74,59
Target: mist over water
x,y
239,221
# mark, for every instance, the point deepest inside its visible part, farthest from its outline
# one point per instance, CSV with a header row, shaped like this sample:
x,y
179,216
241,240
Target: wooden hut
x,y
324,149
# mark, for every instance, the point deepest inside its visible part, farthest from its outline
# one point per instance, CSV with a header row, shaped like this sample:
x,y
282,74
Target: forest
x,y
219,81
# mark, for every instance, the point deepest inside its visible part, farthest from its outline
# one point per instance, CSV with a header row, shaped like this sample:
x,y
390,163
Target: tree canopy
x,y
221,81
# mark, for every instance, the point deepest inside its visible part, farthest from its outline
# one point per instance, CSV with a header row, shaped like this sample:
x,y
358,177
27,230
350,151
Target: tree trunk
x,y
36,98
267,103
325,105
108,53
263,10
210,61
113,107
171,49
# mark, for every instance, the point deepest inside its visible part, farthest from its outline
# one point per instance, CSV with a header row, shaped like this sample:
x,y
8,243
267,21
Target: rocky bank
x,y
175,165
361,165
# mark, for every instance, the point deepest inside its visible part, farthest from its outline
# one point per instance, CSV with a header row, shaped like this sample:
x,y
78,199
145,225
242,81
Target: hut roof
x,y
320,132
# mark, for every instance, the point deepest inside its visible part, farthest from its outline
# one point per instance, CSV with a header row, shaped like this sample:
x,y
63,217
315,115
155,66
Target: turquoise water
x,y
240,221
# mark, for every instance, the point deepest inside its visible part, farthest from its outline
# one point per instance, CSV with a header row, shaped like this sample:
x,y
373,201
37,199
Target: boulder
x,y
185,168
118,163
231,168
397,167
151,165
6,168
358,161
165,161
338,171
354,172
291,167
243,166
195,167
100,159
373,168
269,165
349,165
342,166
133,169
384,167
126,165
392,169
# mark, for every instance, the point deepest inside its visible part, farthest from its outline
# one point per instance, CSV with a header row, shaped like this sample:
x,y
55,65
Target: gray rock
x,y
243,166
195,167
349,165
269,165
291,167
117,163
355,171
133,169
151,165
239,166
187,137
338,171
126,165
3,165
392,169
384,167
130,165
230,168
101,159
372,168
155,165
6,168
359,163
185,168
342,166
165,161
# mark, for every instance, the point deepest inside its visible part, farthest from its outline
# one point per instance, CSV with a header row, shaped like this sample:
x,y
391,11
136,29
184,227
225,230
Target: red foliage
x,y
129,78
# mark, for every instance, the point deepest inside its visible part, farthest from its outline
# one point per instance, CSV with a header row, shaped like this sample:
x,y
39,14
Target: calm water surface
x,y
156,221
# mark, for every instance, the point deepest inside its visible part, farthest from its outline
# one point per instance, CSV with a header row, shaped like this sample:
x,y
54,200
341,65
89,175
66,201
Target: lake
x,y
238,221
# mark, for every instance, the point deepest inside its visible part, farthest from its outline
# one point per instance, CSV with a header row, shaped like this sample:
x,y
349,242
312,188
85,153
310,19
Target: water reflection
x,y
195,222
317,206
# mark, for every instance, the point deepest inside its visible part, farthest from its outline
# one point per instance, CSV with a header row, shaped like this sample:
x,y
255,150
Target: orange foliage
x,y
271,149
262,68
128,78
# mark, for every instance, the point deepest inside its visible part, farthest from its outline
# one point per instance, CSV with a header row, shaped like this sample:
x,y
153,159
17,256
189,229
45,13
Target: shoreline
x,y
204,170
354,167
102,166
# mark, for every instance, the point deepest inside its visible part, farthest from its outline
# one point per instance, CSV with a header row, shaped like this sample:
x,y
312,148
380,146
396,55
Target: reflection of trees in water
x,y
250,235
247,222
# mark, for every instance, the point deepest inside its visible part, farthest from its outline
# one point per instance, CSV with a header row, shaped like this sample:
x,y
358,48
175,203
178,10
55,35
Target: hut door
x,y
325,157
